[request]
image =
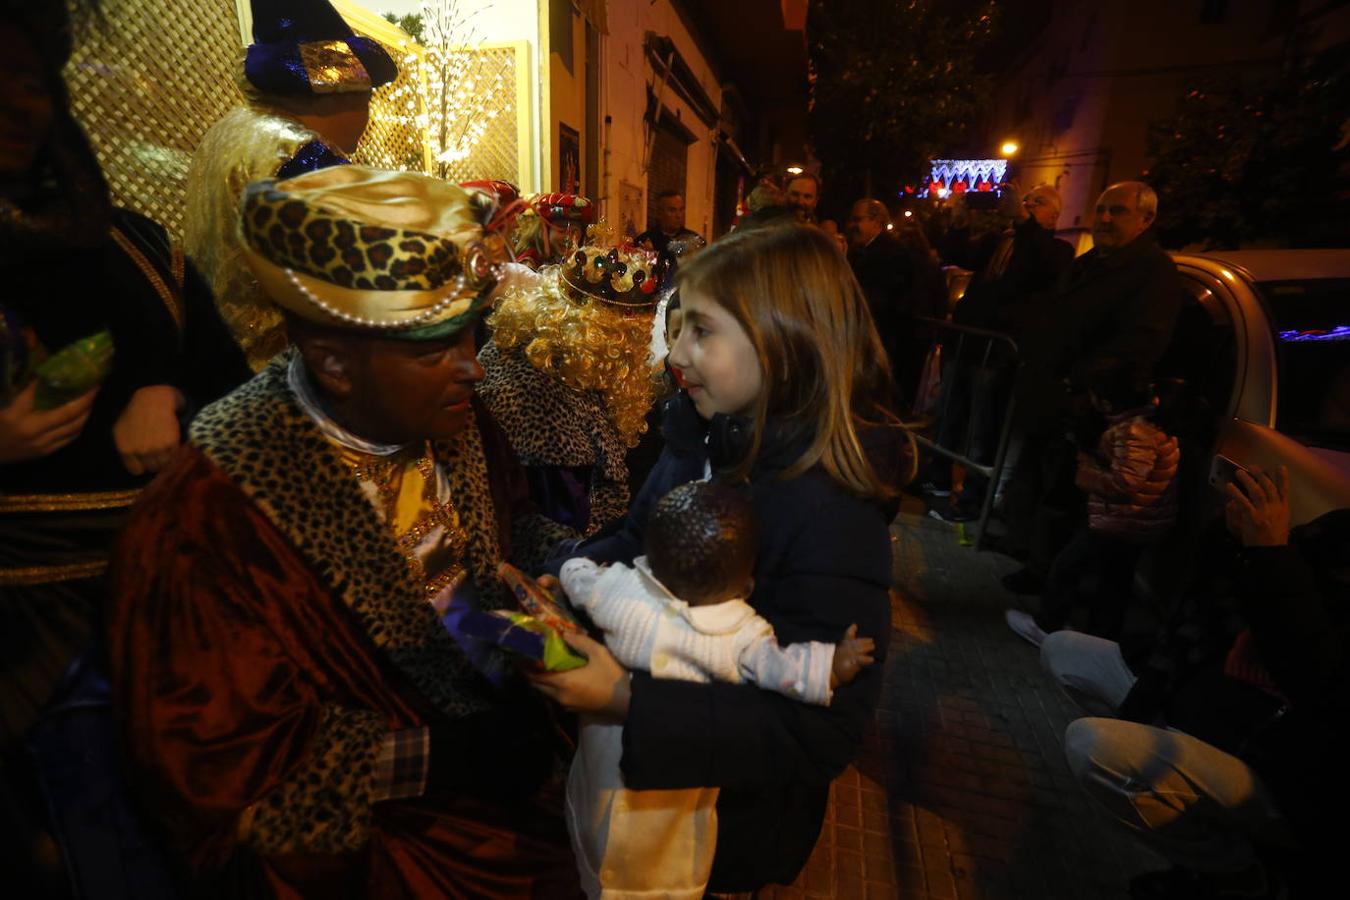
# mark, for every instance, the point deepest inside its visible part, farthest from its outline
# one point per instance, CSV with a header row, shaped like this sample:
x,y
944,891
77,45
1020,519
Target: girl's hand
x,y
28,433
1258,514
600,688
147,432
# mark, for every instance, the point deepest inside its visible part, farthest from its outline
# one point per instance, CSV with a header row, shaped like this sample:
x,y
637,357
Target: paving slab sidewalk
x,y
961,791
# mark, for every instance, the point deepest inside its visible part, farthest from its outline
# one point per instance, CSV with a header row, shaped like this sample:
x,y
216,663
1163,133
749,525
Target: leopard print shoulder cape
x,y
261,438
551,424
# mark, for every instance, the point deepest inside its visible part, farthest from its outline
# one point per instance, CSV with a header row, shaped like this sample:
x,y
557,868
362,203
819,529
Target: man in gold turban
x,y
294,708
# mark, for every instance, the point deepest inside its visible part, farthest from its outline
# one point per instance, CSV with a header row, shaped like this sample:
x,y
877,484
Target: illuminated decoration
x,y
794,170
457,93
955,176
1297,336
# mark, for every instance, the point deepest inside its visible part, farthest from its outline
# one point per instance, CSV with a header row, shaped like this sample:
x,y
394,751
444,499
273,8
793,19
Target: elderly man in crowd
x,y
296,714
669,223
1119,304
1014,275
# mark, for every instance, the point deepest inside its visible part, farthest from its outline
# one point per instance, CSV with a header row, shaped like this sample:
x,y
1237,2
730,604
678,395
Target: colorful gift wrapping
x,y
536,601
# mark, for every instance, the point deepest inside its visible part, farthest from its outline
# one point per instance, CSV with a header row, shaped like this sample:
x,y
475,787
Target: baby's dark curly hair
x,y
701,540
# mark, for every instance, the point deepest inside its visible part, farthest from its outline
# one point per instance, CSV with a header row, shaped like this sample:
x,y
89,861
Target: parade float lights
x,y
956,176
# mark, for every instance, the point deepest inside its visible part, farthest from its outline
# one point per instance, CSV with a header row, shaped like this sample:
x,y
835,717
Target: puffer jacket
x,y
1135,498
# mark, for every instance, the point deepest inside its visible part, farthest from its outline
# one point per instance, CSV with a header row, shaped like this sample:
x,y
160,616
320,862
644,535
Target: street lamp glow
x,y
794,170
1009,148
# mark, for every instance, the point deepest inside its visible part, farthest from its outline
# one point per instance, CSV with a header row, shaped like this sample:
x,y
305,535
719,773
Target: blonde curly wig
x,y
585,344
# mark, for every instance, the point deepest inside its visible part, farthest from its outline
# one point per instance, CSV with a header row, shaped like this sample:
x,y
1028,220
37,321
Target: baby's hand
x,y
850,655
554,588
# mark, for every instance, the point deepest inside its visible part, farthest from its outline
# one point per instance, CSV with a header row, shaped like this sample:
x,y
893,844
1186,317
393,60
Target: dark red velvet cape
x,y
224,649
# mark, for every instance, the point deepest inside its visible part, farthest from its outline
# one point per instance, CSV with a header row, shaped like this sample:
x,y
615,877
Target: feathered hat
x,y
305,47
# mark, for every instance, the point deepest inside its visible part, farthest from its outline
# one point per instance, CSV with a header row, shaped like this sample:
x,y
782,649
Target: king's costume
x,y
302,49
286,684
571,380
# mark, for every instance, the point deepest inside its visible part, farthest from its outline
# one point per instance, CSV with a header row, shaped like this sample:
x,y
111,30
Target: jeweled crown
x,y
625,277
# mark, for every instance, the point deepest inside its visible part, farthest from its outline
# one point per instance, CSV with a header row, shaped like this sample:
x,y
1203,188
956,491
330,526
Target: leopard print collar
x,y
261,438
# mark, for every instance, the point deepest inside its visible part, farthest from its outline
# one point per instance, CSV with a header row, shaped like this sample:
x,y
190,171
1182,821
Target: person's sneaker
x,y
1023,581
953,513
933,490
1024,626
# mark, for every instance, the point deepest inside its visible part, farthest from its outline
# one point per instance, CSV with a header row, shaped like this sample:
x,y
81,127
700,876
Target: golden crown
x,y
624,277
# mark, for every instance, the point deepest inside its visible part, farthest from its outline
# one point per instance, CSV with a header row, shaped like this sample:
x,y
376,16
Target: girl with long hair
x,y
785,392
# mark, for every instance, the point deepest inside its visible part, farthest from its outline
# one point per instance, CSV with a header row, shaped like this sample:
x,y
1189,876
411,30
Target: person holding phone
x,y
1232,770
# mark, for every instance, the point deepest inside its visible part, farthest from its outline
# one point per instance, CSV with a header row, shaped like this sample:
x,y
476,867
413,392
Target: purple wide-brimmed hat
x,y
305,47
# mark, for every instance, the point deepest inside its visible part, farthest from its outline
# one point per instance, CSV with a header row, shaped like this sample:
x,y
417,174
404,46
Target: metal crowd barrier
x,y
992,472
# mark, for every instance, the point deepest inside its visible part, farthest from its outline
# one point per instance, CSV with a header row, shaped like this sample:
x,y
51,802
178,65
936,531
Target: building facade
x,y
1080,97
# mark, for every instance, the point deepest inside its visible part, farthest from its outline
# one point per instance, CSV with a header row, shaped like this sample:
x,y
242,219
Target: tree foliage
x,y
894,83
1255,159
411,23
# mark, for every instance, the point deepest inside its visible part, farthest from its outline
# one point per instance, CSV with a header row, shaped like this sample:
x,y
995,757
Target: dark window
x,y
1213,12
560,31
670,160
1203,352
1311,321
1087,30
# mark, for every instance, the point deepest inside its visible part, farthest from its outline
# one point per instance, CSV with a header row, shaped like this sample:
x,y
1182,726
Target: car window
x,y
1202,352
1311,321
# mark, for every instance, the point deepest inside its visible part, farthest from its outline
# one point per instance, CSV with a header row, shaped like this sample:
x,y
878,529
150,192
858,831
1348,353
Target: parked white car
x,y
1265,337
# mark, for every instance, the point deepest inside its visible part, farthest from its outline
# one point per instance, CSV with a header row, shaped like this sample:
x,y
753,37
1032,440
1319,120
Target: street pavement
x,y
962,791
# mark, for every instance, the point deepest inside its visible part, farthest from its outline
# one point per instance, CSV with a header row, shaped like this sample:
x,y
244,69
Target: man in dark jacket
x,y
1119,304
669,225
886,275
1013,273
1232,765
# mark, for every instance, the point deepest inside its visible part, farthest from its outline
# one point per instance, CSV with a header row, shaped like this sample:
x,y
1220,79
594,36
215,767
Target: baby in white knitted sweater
x,y
679,612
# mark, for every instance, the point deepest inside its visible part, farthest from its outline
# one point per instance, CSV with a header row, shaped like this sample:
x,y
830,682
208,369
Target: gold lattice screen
x,y
145,82
153,75
498,85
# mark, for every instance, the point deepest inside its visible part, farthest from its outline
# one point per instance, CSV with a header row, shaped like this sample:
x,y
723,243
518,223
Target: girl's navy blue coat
x,y
824,564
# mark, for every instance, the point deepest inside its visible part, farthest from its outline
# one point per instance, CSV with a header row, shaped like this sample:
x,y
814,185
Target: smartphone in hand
x,y
1223,469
